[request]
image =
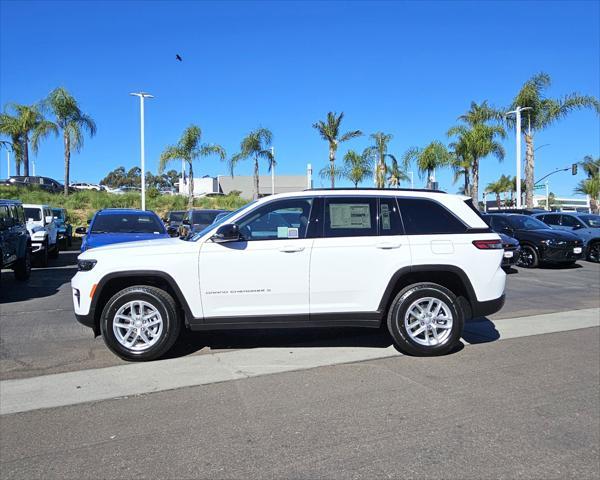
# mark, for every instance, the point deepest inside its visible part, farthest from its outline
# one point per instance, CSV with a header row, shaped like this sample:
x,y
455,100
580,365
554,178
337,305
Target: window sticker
x,y
385,217
292,233
350,215
282,232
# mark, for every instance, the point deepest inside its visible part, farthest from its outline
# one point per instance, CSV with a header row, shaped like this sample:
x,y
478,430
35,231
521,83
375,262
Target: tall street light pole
x,y
273,171
142,96
517,113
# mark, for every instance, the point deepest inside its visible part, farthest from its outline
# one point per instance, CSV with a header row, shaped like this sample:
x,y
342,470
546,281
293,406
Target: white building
x,y
225,184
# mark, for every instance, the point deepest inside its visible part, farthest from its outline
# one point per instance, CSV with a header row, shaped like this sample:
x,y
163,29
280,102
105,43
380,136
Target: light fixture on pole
x,y
517,112
142,96
273,171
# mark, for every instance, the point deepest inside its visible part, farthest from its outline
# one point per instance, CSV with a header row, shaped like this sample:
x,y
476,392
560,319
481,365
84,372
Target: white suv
x,y
419,262
43,231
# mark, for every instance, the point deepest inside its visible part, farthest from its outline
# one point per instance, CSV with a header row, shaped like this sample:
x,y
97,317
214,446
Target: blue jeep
x,y
15,243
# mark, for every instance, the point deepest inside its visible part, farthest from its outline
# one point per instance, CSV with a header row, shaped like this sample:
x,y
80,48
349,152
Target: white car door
x,y
263,277
363,245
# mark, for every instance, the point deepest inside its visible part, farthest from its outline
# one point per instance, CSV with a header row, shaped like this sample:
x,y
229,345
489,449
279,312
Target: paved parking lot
x,y
39,334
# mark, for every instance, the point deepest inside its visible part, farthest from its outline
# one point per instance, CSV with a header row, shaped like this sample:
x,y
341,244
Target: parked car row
x,y
549,238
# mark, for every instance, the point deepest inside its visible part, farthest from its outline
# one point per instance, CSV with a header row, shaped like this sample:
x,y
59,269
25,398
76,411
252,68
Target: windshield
x,y
176,216
58,213
34,214
127,223
591,220
219,221
203,218
524,222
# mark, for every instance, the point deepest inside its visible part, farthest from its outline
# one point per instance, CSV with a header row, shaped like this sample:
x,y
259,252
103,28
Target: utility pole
x,y
142,96
7,163
547,197
309,183
412,183
273,171
517,113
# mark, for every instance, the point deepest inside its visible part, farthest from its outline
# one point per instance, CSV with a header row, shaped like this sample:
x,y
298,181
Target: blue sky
x,y
405,68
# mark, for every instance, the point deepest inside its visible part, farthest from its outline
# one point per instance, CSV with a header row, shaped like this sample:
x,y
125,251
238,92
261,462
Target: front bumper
x,y
558,254
37,247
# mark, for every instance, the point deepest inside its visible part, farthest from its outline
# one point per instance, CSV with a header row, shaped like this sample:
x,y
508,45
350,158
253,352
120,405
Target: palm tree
x,y
428,159
26,125
496,188
590,187
590,165
461,165
188,149
379,153
396,174
72,122
330,132
476,139
479,141
357,167
543,113
256,145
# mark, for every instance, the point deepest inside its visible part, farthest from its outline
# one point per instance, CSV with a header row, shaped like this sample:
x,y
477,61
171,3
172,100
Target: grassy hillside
x,y
82,205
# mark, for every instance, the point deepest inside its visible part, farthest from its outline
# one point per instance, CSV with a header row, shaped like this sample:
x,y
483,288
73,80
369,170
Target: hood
x,y
104,239
546,233
128,251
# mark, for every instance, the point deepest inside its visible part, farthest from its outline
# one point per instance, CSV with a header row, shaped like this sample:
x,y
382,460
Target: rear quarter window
x,y
426,217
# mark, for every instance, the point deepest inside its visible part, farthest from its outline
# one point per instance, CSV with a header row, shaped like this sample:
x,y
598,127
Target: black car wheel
x,y
41,257
528,258
23,267
54,252
594,252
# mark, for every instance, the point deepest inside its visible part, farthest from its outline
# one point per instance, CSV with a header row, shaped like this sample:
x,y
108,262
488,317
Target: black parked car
x,y
45,183
539,243
196,220
173,221
512,250
15,242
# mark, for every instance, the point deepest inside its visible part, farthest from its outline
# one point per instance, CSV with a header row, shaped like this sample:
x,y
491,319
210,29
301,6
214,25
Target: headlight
x,y
85,265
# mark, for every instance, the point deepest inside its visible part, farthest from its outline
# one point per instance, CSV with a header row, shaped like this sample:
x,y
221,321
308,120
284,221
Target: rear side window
x,y
551,219
3,215
350,217
426,217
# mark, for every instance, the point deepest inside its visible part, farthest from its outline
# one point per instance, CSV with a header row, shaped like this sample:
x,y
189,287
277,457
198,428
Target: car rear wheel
x,y
425,319
528,258
140,323
23,266
594,252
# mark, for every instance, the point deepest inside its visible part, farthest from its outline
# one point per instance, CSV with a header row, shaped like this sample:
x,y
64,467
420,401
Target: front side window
x,y
285,219
569,221
200,218
351,217
127,223
34,214
592,221
551,219
426,217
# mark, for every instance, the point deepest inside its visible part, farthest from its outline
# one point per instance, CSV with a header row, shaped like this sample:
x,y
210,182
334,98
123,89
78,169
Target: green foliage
x,y
255,145
427,159
82,204
379,153
357,168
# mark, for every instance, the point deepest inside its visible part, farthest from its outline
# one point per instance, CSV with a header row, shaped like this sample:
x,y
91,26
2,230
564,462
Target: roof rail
x,y
377,189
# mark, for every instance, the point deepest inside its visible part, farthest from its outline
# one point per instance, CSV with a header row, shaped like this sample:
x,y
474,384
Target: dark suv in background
x,y
15,243
539,243
195,221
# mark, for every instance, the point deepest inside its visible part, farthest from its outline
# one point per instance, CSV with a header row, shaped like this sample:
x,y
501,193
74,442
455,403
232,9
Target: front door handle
x,y
291,248
388,245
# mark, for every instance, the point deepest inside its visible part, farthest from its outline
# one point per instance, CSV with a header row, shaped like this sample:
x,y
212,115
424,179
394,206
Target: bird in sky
x,y
178,57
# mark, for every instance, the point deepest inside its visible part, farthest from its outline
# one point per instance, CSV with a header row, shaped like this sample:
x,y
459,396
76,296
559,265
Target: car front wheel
x,y
594,252
425,319
23,266
140,323
528,258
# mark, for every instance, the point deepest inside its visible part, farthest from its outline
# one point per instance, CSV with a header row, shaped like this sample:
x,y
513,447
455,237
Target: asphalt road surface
x,y
39,334
520,408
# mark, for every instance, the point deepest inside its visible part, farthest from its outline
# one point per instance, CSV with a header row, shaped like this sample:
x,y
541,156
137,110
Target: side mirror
x,y
49,219
579,226
186,221
229,232
80,230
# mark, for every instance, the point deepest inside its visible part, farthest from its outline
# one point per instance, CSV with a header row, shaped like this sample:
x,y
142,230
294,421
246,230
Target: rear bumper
x,y
510,261
483,309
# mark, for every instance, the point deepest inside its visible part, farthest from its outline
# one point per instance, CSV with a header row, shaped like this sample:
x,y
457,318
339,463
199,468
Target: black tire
x,y
157,298
70,241
398,310
41,257
54,252
23,266
529,257
593,254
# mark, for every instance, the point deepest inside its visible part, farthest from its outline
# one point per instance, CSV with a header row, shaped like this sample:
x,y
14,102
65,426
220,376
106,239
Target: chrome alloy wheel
x,y
137,325
428,321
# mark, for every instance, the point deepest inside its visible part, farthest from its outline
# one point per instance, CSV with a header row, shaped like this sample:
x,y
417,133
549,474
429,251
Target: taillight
x,y
488,244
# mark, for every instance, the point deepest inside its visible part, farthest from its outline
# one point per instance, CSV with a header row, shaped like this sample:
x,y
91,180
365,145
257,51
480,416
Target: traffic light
x,y
574,169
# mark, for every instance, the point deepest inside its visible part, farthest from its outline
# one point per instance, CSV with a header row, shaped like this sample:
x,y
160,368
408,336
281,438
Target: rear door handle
x,y
291,248
388,245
